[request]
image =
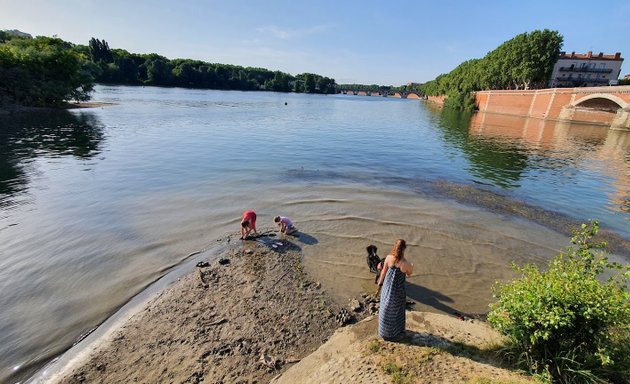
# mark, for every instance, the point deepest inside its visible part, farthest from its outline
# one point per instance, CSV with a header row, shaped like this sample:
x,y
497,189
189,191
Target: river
x,y
96,204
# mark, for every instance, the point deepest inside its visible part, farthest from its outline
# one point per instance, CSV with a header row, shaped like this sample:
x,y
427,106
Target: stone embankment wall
x,y
558,104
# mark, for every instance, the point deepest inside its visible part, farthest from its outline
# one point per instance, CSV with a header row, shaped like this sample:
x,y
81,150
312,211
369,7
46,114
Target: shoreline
x,y
247,312
15,109
196,329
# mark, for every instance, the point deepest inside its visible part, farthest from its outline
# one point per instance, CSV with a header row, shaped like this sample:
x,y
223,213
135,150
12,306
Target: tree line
x,y
523,62
47,71
117,66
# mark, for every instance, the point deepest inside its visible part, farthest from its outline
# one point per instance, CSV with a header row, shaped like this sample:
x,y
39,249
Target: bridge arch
x,y
601,101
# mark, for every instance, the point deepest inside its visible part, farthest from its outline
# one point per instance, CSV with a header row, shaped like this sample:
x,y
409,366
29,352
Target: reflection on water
x,y
496,161
25,137
563,147
580,170
96,205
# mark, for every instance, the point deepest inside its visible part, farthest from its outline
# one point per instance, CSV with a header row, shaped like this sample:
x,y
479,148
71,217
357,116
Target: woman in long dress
x,y
391,317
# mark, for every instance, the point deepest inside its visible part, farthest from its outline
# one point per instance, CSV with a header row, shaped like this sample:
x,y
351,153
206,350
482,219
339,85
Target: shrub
x,y
569,323
464,101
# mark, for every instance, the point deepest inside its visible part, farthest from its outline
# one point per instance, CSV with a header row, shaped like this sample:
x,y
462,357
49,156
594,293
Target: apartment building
x,y
586,70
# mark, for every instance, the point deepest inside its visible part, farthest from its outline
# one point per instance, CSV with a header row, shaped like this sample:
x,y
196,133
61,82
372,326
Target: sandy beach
x,y
244,318
254,316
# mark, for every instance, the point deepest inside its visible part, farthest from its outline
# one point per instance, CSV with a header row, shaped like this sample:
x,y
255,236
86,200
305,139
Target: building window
x,y
602,65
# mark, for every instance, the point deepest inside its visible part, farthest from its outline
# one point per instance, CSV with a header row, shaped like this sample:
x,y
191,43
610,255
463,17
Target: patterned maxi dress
x,y
391,317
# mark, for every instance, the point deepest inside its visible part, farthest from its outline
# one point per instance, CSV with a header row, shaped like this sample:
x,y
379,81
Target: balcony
x,y
585,69
582,80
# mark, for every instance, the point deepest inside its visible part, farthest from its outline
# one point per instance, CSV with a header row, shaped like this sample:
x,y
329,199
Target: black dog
x,y
374,262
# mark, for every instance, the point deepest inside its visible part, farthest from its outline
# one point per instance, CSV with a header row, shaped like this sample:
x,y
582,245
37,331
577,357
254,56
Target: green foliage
x,y
464,101
565,323
99,51
43,71
374,346
117,66
624,82
399,374
487,380
523,62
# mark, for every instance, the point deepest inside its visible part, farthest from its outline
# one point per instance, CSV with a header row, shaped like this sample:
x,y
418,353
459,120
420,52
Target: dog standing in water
x,y
374,262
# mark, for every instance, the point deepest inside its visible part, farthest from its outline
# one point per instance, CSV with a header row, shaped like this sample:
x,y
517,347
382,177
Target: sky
x,y
368,42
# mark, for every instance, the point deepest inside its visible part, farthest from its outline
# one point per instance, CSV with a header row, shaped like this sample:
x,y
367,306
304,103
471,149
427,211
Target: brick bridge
x,y
383,93
598,105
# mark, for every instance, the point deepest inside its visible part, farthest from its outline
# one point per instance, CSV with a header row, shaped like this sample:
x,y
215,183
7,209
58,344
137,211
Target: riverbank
x,y
244,318
435,349
253,315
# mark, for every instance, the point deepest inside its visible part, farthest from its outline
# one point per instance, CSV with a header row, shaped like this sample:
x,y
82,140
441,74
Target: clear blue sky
x,y
352,41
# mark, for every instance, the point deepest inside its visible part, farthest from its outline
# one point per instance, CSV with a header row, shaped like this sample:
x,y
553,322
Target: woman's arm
x,y
409,269
384,271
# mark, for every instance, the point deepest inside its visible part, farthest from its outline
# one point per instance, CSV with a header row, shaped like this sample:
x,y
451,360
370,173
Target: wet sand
x,y
244,318
254,316
9,109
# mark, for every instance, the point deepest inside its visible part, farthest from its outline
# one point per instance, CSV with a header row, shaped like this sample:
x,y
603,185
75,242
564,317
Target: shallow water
x,y
96,204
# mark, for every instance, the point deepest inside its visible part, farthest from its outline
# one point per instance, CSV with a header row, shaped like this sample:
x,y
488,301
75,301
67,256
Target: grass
x,y
398,373
486,380
374,346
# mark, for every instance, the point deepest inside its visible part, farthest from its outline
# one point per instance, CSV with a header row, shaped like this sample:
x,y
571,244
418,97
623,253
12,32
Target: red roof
x,y
590,56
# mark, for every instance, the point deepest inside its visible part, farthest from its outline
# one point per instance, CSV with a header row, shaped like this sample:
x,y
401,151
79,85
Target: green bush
x,y
569,323
464,101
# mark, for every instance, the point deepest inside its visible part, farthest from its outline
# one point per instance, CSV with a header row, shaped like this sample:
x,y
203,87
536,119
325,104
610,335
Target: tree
x,y
158,71
43,71
523,62
99,51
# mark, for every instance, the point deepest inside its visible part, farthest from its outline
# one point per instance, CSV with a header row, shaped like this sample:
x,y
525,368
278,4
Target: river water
x,y
96,204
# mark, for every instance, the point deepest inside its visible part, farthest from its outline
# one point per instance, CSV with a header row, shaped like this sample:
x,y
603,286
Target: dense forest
x,y
45,71
117,66
523,62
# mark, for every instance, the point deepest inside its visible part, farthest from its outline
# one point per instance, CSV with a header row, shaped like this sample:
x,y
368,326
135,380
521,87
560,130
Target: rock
x,y
268,361
203,264
355,305
343,317
224,261
318,285
249,251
